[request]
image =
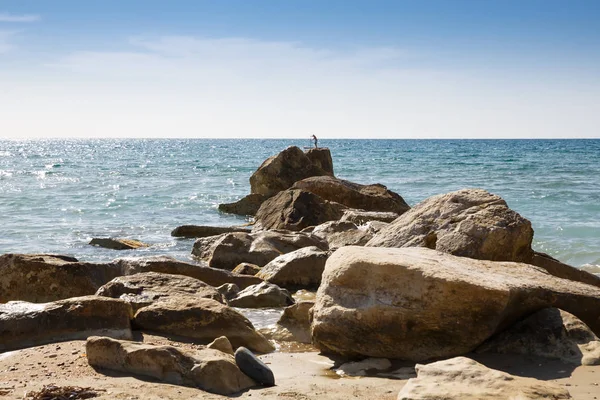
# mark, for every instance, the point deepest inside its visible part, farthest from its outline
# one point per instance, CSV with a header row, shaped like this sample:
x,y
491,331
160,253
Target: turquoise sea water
x,y
55,195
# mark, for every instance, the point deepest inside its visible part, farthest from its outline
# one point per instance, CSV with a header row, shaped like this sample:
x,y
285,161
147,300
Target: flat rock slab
x,y
25,324
198,231
253,367
461,378
208,369
118,244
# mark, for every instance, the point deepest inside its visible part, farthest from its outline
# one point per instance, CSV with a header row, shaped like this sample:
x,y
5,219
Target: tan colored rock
x,y
201,319
468,223
354,195
228,250
25,324
295,210
262,295
246,269
222,344
550,333
360,217
198,231
562,270
248,205
339,234
461,378
117,243
300,269
279,172
146,288
419,304
168,265
296,320
321,157
210,370
41,278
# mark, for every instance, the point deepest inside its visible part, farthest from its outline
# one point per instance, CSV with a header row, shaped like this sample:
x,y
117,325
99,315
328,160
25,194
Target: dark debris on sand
x,y
52,392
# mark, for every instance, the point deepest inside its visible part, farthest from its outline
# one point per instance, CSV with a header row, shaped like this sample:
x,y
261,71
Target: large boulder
x,y
354,195
198,231
261,296
339,234
168,265
300,269
228,250
550,333
279,172
562,270
418,304
295,210
41,278
461,378
321,157
146,288
246,269
247,205
25,324
207,369
201,319
469,223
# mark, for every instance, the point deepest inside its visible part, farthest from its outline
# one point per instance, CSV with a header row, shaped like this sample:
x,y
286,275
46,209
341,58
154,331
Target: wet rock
x,y
262,295
210,370
418,304
364,197
201,319
248,205
296,320
25,324
360,217
339,234
246,269
253,367
117,244
360,368
228,250
468,223
300,269
199,231
461,378
222,344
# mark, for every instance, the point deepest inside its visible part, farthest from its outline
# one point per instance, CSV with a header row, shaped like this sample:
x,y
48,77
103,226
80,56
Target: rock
x,y
246,269
550,333
556,268
365,197
117,244
222,344
253,367
201,319
295,210
418,304
25,324
296,320
210,370
360,368
262,295
168,265
375,226
248,205
204,231
339,234
146,288
461,378
300,269
228,250
468,223
360,217
279,172
229,290
41,278
321,157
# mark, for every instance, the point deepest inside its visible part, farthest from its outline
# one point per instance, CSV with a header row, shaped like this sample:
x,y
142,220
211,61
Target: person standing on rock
x,y
313,137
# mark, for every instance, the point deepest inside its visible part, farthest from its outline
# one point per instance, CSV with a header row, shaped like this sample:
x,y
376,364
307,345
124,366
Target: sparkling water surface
x,y
55,195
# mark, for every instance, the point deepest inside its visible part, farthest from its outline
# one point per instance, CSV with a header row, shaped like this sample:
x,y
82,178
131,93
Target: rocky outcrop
x,y
468,223
321,157
461,378
247,205
246,269
300,269
550,333
117,244
360,217
201,319
146,288
562,270
295,210
25,324
207,369
168,265
339,234
199,231
279,172
262,295
418,304
41,278
228,250
365,197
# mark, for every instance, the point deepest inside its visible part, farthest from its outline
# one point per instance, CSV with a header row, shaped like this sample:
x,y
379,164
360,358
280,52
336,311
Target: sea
x,y
56,195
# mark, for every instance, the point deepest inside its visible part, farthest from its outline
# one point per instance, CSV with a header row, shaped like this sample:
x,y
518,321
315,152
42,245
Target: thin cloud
x,y
6,17
5,45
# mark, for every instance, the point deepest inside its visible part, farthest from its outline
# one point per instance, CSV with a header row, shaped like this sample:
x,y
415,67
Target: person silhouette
x,y
314,138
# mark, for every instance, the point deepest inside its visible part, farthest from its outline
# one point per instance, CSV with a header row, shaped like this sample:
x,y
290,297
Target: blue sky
x,y
359,69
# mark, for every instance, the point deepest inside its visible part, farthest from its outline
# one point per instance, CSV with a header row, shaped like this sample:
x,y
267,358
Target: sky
x,y
290,69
